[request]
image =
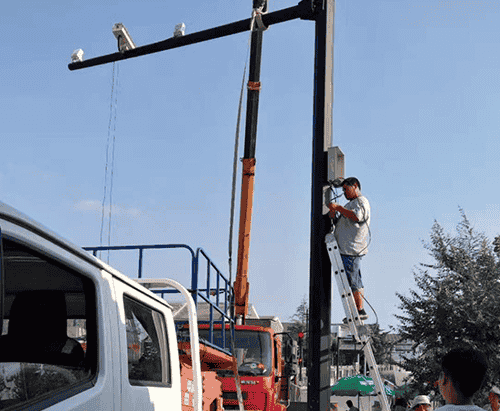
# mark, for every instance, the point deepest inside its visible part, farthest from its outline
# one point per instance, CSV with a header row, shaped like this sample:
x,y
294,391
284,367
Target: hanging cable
x,y
231,229
113,158
373,309
109,162
235,170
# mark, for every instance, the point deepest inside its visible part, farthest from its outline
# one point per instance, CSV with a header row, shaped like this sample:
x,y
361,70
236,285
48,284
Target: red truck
x,y
264,361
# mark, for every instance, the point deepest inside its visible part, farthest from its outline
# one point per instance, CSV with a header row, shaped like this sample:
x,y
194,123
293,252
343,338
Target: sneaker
x,y
362,314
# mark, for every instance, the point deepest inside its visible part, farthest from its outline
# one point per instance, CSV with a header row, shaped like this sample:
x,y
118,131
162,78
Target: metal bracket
x,y
259,8
311,8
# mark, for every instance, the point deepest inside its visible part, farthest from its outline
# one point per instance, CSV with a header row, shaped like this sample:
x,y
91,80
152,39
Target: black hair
x,y
466,368
350,181
349,403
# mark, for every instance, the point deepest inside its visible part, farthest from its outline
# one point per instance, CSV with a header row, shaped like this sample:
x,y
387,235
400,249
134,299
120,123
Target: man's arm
x,y
344,211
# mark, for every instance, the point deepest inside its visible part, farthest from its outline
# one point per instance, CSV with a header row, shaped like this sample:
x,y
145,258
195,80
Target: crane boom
x,y
241,285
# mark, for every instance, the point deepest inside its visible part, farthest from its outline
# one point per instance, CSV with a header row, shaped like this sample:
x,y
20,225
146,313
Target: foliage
x,y
300,319
37,380
300,323
382,345
456,304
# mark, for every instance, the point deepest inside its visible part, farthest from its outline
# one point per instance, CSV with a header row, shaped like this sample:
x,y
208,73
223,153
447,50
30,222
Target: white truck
x,y
78,335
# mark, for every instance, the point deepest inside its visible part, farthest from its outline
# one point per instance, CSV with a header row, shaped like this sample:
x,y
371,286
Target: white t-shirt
x,y
352,237
452,407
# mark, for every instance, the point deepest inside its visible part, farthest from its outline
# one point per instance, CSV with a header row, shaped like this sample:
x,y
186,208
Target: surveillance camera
x,y
77,56
125,42
179,30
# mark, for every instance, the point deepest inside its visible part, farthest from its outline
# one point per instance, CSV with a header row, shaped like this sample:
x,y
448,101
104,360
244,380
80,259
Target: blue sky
x,y
416,112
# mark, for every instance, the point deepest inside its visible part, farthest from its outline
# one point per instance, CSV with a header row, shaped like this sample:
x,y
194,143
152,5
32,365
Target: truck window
x,y
147,345
253,350
48,346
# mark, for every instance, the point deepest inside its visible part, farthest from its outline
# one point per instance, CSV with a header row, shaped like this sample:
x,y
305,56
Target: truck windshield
x,y
253,350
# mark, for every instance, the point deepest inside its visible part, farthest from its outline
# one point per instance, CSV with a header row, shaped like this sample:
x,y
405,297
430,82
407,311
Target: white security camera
x,y
77,56
179,30
125,42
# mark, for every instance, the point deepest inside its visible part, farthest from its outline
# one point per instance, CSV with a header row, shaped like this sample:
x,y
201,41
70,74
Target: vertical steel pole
x,y
319,391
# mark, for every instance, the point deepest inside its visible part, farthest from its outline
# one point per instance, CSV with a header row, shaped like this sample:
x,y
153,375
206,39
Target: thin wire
x,y
235,169
103,206
373,309
230,250
113,159
110,159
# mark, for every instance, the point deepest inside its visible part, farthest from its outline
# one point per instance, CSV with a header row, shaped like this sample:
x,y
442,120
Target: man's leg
x,y
352,267
358,298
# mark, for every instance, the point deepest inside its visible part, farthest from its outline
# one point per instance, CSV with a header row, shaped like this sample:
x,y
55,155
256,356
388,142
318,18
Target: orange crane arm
x,y
241,285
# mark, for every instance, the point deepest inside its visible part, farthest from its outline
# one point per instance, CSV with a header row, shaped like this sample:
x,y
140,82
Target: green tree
x,y
456,304
300,322
300,319
382,345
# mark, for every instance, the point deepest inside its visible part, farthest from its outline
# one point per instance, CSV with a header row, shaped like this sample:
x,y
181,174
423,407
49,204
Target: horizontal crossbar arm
x,y
299,11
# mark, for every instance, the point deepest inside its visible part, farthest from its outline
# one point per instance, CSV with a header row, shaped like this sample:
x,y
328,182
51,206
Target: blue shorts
x,y
352,267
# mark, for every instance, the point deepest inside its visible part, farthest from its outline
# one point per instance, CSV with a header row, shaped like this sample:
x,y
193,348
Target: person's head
x,y
494,398
421,403
352,188
349,403
463,372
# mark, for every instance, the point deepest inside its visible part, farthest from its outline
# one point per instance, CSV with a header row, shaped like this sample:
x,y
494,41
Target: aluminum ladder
x,y
356,326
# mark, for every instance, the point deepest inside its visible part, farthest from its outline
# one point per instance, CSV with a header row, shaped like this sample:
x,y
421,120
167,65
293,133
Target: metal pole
x,y
320,266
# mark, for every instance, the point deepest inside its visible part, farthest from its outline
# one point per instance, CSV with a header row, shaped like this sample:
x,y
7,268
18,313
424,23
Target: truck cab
x,y
262,364
75,333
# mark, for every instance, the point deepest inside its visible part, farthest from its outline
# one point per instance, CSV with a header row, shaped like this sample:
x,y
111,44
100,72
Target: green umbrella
x,y
357,385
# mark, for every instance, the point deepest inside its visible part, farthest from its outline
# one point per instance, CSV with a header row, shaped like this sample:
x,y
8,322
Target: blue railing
x,y
218,297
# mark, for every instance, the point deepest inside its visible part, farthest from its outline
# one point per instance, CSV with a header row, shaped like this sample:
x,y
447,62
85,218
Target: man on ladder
x,y
352,232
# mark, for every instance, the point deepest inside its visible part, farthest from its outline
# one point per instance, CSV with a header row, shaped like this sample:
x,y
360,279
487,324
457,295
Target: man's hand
x,y
333,209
